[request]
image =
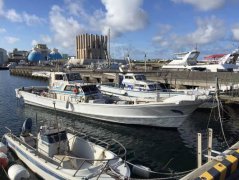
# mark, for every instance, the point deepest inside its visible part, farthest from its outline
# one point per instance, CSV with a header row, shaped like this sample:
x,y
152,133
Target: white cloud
x,y
75,7
235,32
208,30
72,19
120,16
29,19
203,5
32,19
34,42
13,16
160,38
46,39
2,30
11,40
65,29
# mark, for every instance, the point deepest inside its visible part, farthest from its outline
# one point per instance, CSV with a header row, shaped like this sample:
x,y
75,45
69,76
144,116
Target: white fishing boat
x,y
68,93
188,61
56,153
135,85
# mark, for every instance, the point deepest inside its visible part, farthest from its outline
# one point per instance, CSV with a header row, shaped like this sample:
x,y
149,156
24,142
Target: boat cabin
x,y
68,85
137,82
59,79
186,58
52,141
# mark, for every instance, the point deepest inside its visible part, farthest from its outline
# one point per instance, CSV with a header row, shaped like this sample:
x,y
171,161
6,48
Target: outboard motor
x,y
26,127
25,134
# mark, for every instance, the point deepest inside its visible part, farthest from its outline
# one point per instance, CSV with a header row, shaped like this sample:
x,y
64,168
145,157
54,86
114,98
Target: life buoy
x,y
75,90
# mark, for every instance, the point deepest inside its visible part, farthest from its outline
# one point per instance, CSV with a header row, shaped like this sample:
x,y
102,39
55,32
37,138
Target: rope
x,y
161,173
220,106
5,171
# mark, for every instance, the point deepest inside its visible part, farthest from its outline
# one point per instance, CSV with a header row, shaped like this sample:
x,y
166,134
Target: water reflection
x,y
149,146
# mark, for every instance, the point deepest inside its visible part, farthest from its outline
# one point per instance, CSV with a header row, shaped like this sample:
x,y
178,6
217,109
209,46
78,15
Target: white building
x,y
3,56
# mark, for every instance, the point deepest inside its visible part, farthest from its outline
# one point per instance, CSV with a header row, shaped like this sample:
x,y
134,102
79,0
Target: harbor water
x,y
162,150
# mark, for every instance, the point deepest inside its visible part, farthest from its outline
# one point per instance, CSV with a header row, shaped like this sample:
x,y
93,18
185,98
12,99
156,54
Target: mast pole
x,y
109,56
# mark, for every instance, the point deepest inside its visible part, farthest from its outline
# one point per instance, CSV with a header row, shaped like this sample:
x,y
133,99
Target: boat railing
x,y
20,140
85,136
121,150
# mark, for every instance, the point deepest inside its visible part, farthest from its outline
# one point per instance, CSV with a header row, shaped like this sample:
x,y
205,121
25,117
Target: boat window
x,y
69,88
140,85
73,77
63,136
90,89
58,77
193,55
56,137
129,77
154,87
47,139
140,77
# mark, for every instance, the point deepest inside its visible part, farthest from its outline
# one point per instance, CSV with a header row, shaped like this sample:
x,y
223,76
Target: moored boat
x,y
135,85
58,153
67,92
188,61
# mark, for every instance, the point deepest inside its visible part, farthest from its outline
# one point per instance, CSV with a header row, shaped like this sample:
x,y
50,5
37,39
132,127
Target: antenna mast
x,y
109,56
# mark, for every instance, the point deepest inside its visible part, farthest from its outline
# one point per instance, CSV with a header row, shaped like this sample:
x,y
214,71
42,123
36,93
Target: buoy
x,y
17,172
141,171
3,160
75,90
3,148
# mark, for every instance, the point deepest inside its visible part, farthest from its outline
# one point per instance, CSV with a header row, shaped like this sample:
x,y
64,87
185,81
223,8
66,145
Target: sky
x,y
157,28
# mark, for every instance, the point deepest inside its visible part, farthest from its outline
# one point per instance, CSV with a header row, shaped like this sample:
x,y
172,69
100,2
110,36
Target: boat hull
x,y
170,115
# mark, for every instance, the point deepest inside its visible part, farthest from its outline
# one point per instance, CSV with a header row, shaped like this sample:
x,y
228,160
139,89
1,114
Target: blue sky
x,y
158,28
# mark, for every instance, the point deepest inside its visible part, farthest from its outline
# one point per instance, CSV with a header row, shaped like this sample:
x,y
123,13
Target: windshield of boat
x,y
140,77
153,87
55,137
73,77
193,56
90,89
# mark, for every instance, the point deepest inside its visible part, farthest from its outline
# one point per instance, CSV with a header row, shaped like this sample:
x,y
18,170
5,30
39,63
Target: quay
x,y
175,79
219,165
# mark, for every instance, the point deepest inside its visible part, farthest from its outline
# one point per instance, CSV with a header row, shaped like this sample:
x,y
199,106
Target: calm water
x,y
149,146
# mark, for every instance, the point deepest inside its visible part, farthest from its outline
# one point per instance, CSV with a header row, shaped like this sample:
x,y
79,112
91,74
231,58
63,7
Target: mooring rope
x,y
161,173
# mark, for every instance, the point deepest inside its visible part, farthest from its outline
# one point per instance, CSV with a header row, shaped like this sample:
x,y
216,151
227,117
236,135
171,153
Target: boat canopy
x,y
214,56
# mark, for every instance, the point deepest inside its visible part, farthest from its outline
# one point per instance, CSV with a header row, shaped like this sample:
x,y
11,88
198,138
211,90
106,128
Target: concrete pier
x,y
176,79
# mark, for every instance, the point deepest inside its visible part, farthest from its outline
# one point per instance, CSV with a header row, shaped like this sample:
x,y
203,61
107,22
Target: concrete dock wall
x,y
174,78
